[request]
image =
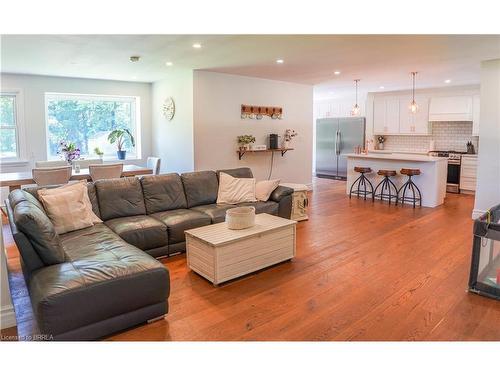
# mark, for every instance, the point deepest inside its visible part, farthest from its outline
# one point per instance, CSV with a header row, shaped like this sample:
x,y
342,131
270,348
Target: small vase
x,y
121,155
380,146
285,145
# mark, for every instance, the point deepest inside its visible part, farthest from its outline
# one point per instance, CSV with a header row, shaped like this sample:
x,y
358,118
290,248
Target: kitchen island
x,y
431,181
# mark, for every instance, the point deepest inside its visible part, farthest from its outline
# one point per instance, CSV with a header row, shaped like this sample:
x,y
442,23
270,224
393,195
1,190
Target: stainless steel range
x,y
454,162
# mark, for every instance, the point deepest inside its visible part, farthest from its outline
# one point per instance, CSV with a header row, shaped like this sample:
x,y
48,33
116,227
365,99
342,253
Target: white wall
x,y
34,88
173,140
488,170
217,123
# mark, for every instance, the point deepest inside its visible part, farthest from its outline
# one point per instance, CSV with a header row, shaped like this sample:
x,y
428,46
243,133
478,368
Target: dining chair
x,y
84,163
103,171
154,164
51,175
50,163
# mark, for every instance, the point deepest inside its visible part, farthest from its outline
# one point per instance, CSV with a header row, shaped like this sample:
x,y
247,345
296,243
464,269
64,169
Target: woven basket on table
x,y
240,217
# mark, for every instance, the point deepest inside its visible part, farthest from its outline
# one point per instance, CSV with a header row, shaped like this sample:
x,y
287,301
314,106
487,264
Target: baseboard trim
x,y
477,213
7,317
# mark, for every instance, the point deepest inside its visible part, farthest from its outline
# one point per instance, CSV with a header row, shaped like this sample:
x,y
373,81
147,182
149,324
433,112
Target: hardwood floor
x,y
363,271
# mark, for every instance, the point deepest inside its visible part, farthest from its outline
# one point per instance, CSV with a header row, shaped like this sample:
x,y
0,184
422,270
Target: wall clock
x,y
169,108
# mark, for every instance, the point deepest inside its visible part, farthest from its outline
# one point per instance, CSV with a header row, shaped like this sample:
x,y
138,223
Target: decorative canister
x,y
240,217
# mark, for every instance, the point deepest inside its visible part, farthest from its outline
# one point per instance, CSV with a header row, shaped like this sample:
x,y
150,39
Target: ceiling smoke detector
x,y
134,58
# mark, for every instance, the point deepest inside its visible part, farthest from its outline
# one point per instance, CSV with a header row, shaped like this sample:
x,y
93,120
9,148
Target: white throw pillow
x,y
263,189
67,210
80,186
235,190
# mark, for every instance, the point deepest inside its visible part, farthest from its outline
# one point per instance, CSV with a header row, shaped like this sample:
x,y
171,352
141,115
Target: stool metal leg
x,y
395,189
385,185
360,184
410,185
354,184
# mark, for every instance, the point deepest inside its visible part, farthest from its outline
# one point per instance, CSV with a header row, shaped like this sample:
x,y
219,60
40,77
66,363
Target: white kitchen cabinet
x,y
414,123
386,116
468,172
475,114
451,108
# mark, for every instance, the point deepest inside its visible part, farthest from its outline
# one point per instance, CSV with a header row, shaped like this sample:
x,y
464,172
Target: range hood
x,y
451,108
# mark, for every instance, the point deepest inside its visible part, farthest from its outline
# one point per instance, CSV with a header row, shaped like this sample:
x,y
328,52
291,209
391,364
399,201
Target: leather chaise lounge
x,y
92,282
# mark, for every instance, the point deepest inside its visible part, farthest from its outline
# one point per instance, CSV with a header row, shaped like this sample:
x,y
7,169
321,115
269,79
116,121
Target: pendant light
x,y
413,104
355,109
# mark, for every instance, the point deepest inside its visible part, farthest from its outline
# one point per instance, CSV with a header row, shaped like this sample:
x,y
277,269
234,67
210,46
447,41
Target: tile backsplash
x,y
446,136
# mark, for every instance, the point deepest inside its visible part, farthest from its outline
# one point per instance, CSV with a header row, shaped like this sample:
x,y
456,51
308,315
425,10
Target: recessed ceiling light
x,y
336,72
280,61
447,81
169,63
197,45
381,87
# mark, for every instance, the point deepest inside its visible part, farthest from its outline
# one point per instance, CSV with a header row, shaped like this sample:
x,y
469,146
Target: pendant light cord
x,y
414,74
356,80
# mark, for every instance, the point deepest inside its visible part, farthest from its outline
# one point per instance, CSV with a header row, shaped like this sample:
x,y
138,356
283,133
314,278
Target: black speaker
x,y
273,141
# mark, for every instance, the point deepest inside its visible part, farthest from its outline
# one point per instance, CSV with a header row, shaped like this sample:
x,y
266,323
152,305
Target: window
x,y
9,126
86,121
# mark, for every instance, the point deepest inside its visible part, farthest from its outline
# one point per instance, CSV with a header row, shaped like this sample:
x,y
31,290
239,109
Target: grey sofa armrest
x,y
281,192
283,196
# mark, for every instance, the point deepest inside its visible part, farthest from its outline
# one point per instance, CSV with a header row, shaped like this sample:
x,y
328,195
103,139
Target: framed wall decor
x,y
169,108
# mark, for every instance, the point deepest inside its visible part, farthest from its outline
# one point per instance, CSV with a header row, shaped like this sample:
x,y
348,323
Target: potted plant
x,y
68,151
245,140
121,137
381,140
98,152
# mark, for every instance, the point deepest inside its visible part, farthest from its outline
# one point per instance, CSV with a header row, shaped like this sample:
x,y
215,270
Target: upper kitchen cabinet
x,y
451,108
331,109
475,114
386,115
414,123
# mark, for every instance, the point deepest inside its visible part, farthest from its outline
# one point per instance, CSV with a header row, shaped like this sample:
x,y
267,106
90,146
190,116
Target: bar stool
x,y
386,185
361,182
409,184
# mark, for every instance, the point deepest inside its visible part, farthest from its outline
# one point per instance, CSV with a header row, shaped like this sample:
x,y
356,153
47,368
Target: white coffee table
x,y
220,254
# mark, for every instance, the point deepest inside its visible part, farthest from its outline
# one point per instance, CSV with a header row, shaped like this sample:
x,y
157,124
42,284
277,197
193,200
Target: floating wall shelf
x,y
282,150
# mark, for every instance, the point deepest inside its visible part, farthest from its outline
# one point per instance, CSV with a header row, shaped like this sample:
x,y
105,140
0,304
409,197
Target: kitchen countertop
x,y
397,152
396,156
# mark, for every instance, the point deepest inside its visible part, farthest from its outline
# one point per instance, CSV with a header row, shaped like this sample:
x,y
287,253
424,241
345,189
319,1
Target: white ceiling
x,y
377,60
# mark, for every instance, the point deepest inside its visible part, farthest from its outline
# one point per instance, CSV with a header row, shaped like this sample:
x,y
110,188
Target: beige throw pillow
x,y
80,185
235,190
67,210
263,189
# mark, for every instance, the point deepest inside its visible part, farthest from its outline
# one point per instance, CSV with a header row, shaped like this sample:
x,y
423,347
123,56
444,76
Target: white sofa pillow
x,y
235,190
67,210
80,185
263,189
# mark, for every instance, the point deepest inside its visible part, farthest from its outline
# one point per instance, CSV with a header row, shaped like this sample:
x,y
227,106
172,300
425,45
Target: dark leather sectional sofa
x,y
95,281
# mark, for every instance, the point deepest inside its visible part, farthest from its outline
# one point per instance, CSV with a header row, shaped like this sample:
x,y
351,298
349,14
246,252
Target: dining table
x,y
14,180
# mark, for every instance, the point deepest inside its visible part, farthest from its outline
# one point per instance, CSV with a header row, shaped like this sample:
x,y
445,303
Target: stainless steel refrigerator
x,y
336,137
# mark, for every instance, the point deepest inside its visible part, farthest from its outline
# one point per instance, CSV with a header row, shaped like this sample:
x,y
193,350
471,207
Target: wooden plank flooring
x,y
363,271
